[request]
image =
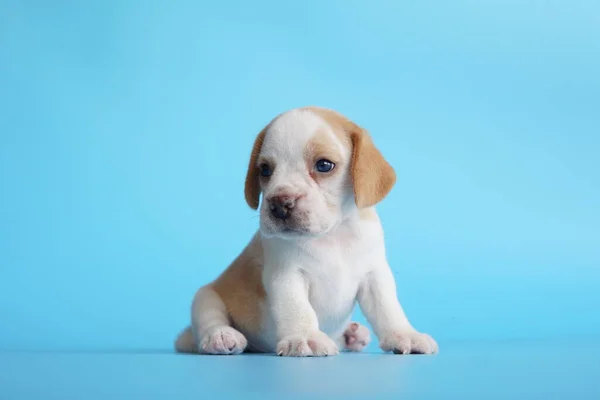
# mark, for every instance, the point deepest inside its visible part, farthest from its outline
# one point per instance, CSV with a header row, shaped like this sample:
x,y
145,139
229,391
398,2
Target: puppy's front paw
x,y
408,342
315,344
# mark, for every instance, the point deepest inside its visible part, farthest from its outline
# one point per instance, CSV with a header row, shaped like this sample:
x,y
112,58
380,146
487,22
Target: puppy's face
x,y
313,167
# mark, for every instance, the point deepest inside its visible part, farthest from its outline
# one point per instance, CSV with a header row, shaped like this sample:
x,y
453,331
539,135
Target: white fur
x,y
314,277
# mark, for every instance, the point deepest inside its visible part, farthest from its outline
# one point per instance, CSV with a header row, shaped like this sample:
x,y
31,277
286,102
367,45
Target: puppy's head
x,y
313,167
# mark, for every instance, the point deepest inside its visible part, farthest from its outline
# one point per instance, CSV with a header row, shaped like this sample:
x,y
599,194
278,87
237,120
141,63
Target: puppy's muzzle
x,y
282,206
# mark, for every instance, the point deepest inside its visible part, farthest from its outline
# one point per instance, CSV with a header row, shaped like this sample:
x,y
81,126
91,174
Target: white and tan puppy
x,y
319,250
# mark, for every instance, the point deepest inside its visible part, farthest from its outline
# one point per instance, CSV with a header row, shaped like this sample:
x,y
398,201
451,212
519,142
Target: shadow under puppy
x,y
318,251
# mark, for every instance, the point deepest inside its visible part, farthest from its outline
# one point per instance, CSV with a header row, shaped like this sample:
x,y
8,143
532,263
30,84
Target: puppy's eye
x,y
265,170
324,165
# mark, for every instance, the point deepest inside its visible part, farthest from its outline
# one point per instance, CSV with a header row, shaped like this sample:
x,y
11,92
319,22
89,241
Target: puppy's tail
x,y
185,342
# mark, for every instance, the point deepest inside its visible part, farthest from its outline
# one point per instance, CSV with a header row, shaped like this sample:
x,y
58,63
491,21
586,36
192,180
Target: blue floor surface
x,y
561,369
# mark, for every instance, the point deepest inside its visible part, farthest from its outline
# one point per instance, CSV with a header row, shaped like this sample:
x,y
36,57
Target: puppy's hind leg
x,y
211,331
356,337
185,342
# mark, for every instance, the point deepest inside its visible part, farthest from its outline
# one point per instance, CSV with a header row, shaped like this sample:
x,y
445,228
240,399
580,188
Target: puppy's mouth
x,y
290,230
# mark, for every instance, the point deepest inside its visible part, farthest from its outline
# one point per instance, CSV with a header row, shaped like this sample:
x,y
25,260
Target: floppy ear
x,y
372,176
252,186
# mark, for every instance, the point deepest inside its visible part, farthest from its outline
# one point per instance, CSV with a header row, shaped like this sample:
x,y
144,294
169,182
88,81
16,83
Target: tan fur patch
x,y
320,146
241,289
252,185
338,123
372,177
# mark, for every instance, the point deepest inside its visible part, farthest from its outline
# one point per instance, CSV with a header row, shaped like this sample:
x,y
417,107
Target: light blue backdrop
x,y
126,127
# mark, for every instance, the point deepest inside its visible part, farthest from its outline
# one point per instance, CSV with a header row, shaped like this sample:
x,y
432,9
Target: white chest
x,y
334,274
332,268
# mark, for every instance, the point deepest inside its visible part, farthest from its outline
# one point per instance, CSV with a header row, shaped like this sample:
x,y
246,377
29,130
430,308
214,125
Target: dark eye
x,y
265,170
324,165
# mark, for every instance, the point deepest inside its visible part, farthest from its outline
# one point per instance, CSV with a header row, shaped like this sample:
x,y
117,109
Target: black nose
x,y
281,206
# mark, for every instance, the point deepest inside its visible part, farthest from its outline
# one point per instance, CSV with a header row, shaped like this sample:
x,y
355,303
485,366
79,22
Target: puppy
x,y
319,250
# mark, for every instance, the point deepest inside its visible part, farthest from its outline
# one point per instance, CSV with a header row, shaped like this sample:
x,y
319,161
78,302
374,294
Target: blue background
x,y
126,126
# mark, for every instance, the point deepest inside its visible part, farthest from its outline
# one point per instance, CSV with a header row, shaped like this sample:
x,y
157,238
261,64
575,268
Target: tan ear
x,y
372,176
252,186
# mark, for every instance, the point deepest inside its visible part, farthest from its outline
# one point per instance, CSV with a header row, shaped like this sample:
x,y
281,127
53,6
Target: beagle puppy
x,y
319,250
